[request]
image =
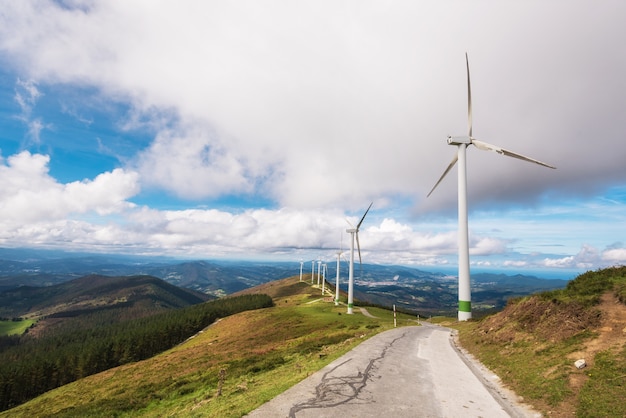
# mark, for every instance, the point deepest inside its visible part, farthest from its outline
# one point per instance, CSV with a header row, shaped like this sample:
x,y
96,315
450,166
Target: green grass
x,y
604,393
252,356
15,327
534,369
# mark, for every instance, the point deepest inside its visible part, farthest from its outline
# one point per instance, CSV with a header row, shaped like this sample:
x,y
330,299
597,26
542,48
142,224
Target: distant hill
x,y
217,278
95,299
437,294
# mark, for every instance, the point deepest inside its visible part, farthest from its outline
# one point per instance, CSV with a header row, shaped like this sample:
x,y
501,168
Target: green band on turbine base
x,y
465,306
350,305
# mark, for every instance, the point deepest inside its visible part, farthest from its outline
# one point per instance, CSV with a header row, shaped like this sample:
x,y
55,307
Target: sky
x,y
254,129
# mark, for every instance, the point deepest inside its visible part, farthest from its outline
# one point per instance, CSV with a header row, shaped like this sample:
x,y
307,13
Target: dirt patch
x,y
548,320
611,332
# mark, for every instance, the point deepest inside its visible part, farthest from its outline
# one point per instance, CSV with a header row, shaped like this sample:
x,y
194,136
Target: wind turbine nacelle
x,y
458,140
351,230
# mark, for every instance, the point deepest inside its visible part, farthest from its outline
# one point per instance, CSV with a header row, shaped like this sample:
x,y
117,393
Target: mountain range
x,y
411,289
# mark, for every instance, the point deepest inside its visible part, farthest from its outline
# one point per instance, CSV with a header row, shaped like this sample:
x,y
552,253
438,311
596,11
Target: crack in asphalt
x,y
335,391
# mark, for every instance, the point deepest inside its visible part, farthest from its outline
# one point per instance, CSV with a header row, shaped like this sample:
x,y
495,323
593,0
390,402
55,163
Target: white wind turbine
x,y
301,264
319,270
337,280
312,271
339,253
354,232
462,142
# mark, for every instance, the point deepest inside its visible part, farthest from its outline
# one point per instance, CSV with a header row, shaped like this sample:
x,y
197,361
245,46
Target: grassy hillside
x,y
14,326
533,344
228,369
31,366
92,292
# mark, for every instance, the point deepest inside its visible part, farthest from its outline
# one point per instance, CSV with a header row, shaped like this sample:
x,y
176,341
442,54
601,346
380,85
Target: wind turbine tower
x,y
301,264
323,278
354,233
337,281
312,271
462,142
319,269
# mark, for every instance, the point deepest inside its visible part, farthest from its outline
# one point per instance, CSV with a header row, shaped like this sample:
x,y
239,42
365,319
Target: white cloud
x,y
192,165
616,256
29,194
487,246
352,100
587,258
97,214
515,263
26,95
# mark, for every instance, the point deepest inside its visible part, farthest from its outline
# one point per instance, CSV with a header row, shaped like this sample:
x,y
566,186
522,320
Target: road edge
x,y
509,400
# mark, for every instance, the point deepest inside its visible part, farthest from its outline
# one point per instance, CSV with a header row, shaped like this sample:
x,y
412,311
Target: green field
x,y
15,327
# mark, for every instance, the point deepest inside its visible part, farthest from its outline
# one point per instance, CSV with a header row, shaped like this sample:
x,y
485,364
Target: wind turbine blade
x,y
444,174
361,221
489,147
358,245
469,98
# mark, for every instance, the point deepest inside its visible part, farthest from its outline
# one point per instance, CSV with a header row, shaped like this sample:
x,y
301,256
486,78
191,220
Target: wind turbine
x,y
312,271
324,278
319,269
337,281
462,142
354,232
338,265
301,264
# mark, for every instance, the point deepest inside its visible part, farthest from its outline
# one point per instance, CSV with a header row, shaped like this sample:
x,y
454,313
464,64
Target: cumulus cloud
x,y
589,258
615,254
29,194
192,165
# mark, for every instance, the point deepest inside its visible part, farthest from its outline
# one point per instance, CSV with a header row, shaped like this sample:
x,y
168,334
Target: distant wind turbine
x,y
324,278
338,265
312,271
319,269
301,264
462,142
337,281
354,232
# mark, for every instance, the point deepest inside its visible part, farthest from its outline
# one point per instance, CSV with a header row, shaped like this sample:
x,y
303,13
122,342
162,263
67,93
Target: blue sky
x,y
253,129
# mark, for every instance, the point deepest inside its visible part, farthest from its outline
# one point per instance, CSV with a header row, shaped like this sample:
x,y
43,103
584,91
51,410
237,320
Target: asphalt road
x,y
405,372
